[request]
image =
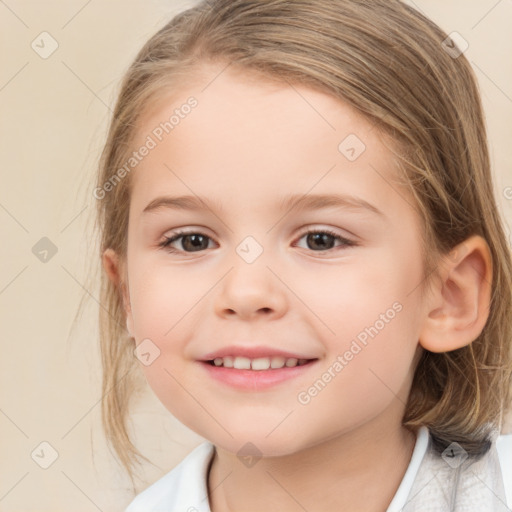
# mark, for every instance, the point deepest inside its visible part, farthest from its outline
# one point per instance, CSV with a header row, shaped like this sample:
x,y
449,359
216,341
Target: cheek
x,y
367,368
352,296
373,313
162,305
161,298
162,308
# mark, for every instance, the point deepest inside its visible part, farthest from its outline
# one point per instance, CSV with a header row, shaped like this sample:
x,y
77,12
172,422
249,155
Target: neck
x,y
358,470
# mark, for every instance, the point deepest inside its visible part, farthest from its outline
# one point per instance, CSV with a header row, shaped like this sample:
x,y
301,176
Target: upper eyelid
x,y
199,231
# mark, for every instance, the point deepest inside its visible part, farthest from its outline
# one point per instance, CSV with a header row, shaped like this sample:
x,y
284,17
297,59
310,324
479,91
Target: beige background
x,y
54,116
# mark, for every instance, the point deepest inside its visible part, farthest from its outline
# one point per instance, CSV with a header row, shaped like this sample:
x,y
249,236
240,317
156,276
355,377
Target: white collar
x,y
404,489
184,488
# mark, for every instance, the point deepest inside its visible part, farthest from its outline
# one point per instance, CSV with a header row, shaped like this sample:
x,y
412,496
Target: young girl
x,y
304,256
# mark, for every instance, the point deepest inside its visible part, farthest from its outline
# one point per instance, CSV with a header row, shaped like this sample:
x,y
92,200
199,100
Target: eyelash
x,y
179,234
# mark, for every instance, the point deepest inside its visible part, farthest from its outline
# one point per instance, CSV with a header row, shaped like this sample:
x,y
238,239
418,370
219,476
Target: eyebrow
x,y
300,202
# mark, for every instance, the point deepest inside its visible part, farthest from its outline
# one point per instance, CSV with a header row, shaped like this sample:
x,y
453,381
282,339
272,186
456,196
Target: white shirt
x,y
429,483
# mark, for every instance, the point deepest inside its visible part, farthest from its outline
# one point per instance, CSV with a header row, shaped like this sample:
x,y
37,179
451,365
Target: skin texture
x,y
246,145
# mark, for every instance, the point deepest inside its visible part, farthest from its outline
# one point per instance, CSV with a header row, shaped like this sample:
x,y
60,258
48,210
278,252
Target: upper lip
x,y
252,353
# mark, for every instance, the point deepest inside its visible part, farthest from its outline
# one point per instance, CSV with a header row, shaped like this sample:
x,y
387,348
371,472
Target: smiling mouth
x,y
259,363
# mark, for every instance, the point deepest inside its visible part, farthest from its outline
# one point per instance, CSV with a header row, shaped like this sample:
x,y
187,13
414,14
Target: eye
x,y
319,240
190,241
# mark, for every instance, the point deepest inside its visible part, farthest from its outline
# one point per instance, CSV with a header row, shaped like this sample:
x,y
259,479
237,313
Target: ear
x,y
115,272
458,306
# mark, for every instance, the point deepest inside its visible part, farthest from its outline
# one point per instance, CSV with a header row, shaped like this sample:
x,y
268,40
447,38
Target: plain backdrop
x,y
54,114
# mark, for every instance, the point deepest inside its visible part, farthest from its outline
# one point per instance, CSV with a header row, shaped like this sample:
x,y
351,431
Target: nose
x,y
251,291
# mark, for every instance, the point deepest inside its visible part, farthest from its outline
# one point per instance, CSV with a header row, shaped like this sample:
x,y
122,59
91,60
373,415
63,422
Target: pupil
x,y
320,238
195,242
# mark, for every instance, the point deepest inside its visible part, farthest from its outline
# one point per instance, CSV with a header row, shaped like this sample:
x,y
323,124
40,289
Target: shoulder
x,y
184,488
455,479
504,447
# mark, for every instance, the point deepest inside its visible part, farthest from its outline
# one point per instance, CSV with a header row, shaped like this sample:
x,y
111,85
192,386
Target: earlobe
x,y
458,306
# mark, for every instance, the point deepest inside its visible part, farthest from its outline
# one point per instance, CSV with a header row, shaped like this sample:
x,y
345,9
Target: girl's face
x,y
255,160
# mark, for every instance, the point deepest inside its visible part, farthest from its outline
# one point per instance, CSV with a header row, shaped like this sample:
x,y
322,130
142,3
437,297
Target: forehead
x,y
247,139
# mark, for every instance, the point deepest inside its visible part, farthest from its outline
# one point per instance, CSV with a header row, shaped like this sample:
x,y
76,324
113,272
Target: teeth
x,y
277,362
260,363
263,363
242,363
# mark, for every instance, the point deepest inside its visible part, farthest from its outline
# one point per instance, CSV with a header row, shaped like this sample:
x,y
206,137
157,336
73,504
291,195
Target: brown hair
x,y
388,61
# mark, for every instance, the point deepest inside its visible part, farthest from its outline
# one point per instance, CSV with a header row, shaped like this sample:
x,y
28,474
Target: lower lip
x,y
255,380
